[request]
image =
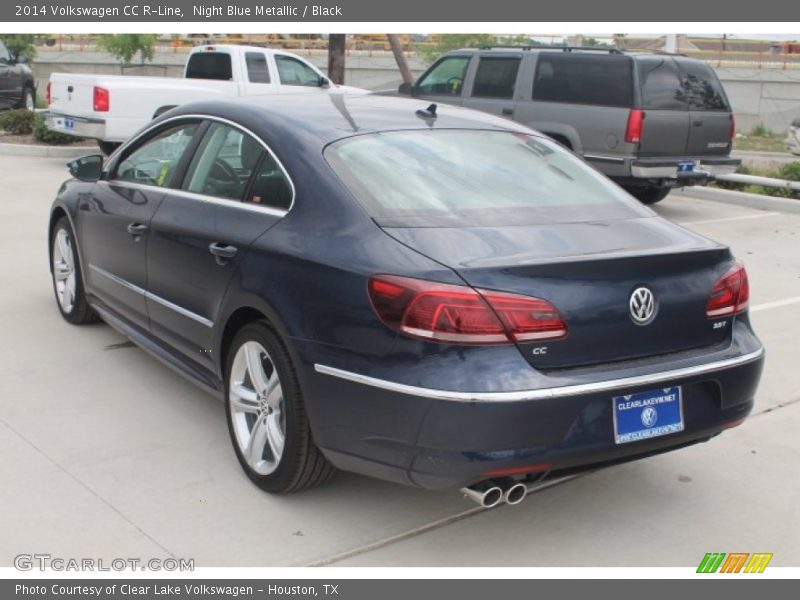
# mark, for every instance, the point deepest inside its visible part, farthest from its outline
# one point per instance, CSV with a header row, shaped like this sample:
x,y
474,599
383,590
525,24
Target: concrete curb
x,y
758,201
46,151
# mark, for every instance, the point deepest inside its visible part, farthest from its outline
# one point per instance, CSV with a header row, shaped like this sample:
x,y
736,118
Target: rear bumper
x,y
435,438
671,168
88,127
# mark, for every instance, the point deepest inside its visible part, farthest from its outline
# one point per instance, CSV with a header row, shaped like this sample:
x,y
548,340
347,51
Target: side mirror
x,y
86,168
324,82
22,59
405,88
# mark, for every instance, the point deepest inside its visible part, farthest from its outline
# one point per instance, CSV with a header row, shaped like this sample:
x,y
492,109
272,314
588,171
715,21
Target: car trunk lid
x,y
589,271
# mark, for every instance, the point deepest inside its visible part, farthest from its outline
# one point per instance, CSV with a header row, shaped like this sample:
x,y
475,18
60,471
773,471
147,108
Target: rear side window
x,y
496,77
209,65
446,78
223,163
257,71
602,80
270,186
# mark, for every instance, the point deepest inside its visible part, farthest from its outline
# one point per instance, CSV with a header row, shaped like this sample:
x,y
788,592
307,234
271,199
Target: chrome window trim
x,y
543,393
150,296
214,199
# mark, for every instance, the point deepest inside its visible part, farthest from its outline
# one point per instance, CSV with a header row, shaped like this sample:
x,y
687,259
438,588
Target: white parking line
x,y
739,218
776,304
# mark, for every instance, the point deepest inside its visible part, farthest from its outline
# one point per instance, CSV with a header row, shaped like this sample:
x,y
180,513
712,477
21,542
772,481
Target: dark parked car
x,y
429,295
651,122
17,85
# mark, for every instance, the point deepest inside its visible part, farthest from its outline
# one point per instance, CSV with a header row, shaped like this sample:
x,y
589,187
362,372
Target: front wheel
x,y
648,194
266,414
66,273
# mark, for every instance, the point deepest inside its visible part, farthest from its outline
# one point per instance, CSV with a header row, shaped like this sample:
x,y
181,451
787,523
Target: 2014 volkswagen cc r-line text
x,y
429,295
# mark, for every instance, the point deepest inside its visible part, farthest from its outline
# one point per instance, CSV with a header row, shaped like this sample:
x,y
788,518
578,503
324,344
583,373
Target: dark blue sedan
x,y
428,295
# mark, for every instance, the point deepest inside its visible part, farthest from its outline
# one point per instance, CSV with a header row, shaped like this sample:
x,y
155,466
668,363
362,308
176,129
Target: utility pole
x,y
336,49
402,63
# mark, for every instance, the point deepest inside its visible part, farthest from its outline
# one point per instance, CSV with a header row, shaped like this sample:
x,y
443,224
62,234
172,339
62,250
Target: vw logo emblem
x,y
649,416
642,306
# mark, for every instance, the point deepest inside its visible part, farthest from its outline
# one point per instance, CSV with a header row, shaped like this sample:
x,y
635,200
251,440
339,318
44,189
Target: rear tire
x,y
65,270
648,194
266,414
28,101
107,148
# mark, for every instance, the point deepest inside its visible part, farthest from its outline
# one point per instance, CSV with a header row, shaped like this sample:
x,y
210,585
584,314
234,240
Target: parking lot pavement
x,y
106,453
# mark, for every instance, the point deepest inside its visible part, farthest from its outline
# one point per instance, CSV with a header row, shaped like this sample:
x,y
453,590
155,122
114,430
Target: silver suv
x,y
651,122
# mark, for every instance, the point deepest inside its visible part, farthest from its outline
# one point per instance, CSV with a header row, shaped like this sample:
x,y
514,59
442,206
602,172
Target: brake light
x,y
633,132
733,127
47,94
101,99
460,314
730,294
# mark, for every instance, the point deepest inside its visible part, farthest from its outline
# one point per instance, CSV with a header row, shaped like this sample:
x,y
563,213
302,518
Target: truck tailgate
x,y
72,94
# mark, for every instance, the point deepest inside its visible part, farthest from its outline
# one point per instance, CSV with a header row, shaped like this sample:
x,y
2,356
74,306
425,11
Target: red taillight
x,y
101,99
733,127
47,95
730,295
633,132
459,314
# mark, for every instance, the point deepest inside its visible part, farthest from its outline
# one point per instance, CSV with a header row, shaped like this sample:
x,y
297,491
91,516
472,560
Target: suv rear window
x,y
603,80
209,65
679,84
473,178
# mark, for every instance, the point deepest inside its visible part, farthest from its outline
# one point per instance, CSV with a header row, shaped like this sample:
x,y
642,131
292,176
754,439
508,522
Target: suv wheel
x,y
648,194
266,414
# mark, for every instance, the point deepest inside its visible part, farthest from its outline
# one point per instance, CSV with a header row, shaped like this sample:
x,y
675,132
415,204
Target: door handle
x,y
138,229
222,251
508,111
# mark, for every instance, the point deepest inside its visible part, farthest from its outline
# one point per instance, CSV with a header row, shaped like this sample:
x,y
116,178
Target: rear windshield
x,y
473,178
209,65
603,80
679,84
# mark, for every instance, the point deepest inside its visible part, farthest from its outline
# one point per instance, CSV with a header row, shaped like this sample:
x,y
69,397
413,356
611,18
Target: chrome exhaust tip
x,y
484,493
515,493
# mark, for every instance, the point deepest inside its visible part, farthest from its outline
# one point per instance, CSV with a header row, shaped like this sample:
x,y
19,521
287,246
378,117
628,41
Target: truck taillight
x,y
633,132
730,294
47,94
101,99
458,314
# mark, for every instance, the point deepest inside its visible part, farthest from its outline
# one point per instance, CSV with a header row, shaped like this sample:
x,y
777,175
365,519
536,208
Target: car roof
x,y
318,119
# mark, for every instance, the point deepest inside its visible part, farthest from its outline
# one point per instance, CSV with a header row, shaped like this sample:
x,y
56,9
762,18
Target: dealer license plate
x,y
647,414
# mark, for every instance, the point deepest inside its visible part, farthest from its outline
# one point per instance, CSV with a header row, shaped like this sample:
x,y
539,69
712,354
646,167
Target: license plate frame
x,y
686,166
69,124
648,414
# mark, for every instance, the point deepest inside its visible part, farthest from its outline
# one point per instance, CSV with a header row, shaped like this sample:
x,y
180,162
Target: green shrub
x,y
790,171
53,138
761,130
17,122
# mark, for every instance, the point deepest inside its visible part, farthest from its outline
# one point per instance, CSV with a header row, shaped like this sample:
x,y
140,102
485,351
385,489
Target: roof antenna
x,y
428,113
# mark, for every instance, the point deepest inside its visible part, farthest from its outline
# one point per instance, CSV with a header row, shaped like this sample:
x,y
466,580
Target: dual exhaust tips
x,y
491,492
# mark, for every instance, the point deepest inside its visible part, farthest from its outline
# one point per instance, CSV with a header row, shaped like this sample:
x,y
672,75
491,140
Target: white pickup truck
x,y
111,108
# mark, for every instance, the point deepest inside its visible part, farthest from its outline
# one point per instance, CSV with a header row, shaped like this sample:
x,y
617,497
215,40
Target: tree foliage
x,y
20,43
126,45
445,42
